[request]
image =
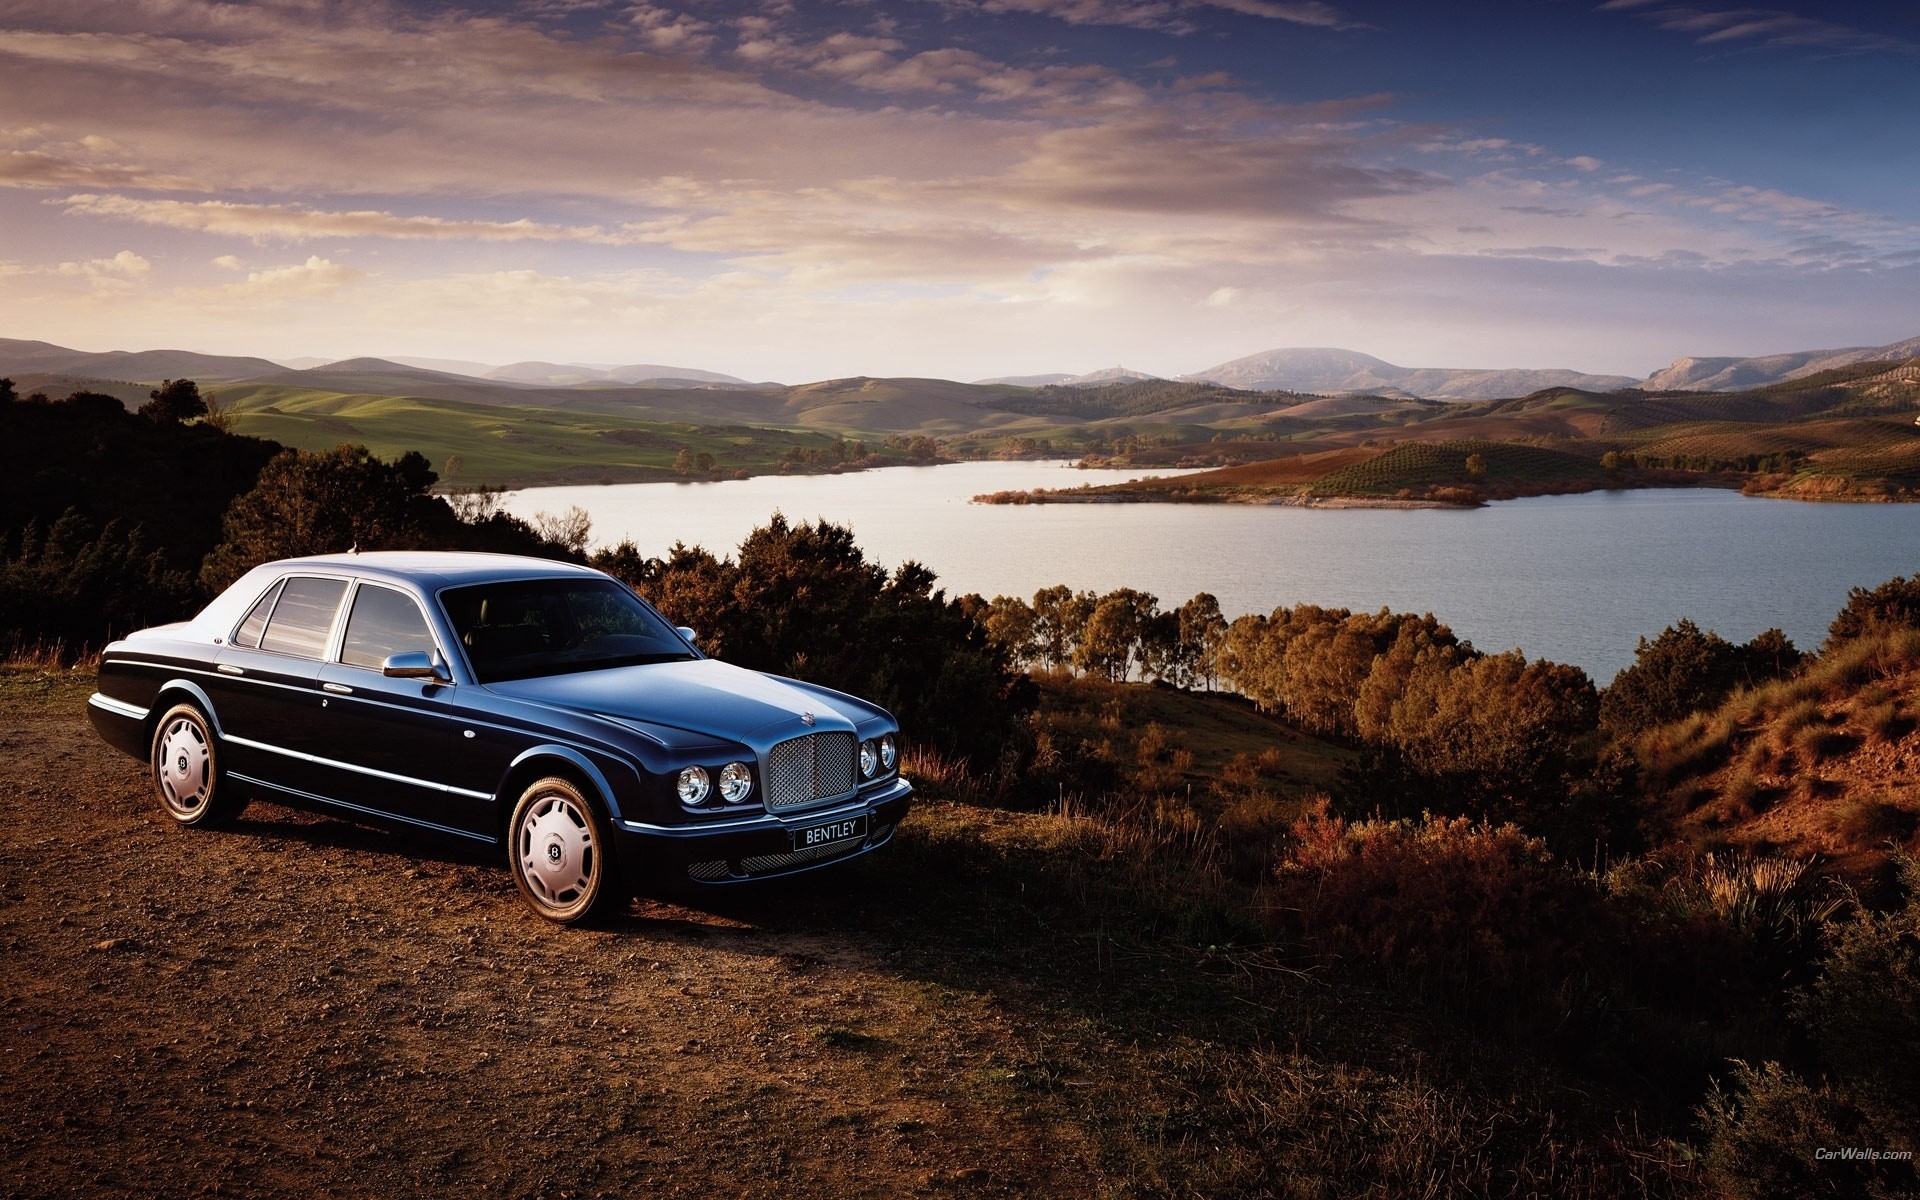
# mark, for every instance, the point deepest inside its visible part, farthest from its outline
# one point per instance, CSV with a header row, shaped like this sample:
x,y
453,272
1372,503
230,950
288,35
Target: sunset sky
x,y
960,188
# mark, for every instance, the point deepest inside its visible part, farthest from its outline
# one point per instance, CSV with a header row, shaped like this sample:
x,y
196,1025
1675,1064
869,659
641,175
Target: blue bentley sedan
x,y
531,704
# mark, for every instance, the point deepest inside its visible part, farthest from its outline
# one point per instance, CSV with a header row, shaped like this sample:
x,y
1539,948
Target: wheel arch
x,y
538,762
179,691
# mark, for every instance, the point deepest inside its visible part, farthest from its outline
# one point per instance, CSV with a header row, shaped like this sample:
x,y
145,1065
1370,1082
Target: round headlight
x,y
693,786
889,753
736,782
869,758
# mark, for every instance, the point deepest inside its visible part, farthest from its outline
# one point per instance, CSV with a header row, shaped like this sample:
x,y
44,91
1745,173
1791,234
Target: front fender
x,y
570,756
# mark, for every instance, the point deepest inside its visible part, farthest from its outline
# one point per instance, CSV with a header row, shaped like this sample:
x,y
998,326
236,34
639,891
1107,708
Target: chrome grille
x,y
805,770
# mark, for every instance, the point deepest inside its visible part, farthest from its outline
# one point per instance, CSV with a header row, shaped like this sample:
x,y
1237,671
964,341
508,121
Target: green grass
x,y
510,444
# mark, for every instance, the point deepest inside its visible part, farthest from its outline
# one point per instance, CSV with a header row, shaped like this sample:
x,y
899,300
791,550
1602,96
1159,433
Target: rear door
x,y
266,689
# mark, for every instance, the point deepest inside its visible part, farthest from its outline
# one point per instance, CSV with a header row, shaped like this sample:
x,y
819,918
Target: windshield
x,y
552,626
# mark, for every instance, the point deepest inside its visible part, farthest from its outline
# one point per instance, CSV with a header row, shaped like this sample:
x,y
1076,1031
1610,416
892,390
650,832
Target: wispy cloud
x,y
1761,26
271,222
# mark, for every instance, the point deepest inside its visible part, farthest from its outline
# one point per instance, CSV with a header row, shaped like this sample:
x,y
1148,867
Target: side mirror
x,y
686,633
416,664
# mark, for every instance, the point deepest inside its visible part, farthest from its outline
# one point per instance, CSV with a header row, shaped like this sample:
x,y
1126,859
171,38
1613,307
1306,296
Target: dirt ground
x,y
297,1006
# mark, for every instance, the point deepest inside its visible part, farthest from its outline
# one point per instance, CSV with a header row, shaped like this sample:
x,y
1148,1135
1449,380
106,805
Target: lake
x,y
1577,579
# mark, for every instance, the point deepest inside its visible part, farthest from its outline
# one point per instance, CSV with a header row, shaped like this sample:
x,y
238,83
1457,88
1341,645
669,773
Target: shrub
x,y
1895,604
1764,1134
1864,1010
1468,912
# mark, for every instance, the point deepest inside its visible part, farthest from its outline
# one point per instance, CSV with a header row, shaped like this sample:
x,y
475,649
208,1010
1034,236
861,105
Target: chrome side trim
x,y
119,708
449,789
371,812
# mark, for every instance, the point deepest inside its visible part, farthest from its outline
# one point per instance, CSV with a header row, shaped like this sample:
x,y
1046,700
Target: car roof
x,y
432,569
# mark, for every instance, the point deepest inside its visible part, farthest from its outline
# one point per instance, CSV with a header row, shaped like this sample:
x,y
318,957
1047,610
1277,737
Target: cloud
x,y
314,278
43,167
119,273
1175,16
264,222
1761,26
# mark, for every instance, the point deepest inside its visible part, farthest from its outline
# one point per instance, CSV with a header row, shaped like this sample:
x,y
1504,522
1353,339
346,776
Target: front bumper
x,y
756,847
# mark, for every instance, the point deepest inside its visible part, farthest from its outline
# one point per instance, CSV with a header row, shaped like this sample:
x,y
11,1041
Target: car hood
x,y
702,696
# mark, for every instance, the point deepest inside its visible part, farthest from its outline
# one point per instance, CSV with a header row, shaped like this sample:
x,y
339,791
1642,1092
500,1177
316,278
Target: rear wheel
x,y
186,769
560,851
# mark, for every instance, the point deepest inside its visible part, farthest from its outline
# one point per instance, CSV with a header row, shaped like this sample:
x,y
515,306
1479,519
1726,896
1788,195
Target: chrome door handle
x,y
229,669
340,688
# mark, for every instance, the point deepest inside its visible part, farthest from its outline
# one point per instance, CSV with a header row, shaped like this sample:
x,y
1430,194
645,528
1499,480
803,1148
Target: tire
x,y
185,766
560,850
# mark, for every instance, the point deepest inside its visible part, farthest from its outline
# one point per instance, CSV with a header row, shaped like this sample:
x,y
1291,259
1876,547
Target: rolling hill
x,y
1844,431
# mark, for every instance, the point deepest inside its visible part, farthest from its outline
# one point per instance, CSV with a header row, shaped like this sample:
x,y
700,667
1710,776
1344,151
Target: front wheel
x,y
560,851
186,769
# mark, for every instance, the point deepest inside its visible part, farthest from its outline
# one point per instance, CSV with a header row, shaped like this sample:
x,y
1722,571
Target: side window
x,y
304,616
383,622
250,629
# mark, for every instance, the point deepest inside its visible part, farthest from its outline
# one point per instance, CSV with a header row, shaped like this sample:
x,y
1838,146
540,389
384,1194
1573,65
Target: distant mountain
x,y
450,366
1024,380
1330,370
546,374
677,376
1733,374
1106,375
146,366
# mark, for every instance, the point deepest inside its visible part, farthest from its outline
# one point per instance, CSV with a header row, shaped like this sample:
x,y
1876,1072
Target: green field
x,y
501,444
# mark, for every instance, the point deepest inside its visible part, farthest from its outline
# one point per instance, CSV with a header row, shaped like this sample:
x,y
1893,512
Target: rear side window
x,y
383,622
256,622
303,617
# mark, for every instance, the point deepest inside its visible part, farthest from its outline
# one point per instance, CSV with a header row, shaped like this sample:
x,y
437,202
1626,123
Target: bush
x,y
1469,913
1765,1133
1895,604
1864,1010
1687,670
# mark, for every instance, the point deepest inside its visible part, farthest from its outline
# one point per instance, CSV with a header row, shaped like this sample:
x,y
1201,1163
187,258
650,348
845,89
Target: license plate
x,y
849,829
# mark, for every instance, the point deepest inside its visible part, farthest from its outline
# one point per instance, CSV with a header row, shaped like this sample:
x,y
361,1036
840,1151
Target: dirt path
x,y
302,1007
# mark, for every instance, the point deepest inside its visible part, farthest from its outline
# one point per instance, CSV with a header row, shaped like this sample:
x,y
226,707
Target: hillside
x,y
1844,434
1837,433
1000,1004
1734,374
1824,765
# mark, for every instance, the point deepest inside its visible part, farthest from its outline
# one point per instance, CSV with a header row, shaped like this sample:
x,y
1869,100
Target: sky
x,y
800,190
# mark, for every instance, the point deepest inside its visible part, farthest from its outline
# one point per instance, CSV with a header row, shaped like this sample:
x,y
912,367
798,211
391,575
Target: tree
x,y
1683,670
1202,630
174,402
569,529
683,462
802,600
1111,641
70,585
704,463
1010,623
323,504
1059,616
1476,465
